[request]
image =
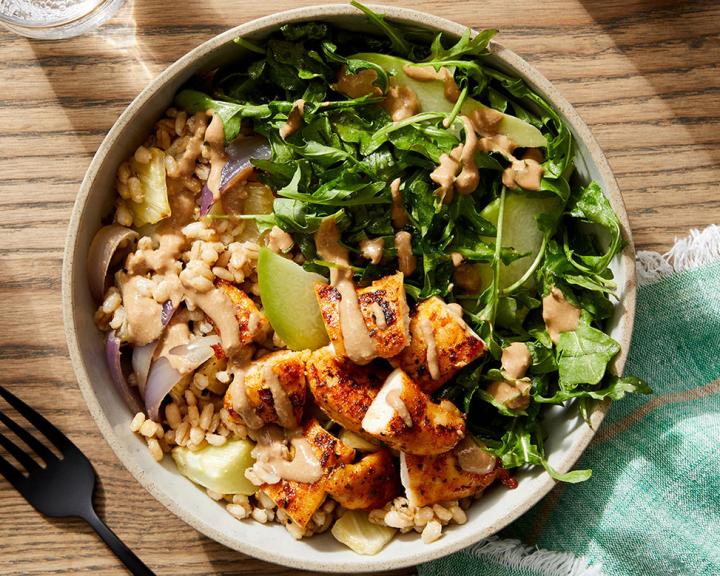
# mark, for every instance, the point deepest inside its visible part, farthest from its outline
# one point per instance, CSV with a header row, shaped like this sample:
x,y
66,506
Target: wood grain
x,y
642,73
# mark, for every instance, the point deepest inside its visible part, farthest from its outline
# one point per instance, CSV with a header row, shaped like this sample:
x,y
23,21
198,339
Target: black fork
x,y
65,486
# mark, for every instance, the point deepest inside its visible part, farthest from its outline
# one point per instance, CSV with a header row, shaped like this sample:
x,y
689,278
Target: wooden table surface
x,y
642,73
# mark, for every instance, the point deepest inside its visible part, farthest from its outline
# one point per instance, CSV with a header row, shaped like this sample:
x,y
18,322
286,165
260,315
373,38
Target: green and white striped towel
x,y
652,506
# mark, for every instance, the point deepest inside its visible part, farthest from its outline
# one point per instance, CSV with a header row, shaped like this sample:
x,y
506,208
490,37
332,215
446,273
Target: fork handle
x,y
136,566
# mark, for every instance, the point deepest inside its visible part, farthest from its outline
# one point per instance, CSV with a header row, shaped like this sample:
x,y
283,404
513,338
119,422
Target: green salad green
x,y
518,243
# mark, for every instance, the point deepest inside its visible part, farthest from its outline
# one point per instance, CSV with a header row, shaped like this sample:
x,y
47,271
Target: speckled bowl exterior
x,y
569,435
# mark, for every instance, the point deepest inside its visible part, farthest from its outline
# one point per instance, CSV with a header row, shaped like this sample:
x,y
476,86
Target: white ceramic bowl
x,y
569,435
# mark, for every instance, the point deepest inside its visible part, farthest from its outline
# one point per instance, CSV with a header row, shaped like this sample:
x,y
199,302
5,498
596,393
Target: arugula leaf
x,y
590,205
616,387
583,356
465,46
396,37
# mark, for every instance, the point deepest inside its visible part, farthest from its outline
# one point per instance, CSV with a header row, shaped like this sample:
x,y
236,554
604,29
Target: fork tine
x,y
40,449
28,463
37,420
11,474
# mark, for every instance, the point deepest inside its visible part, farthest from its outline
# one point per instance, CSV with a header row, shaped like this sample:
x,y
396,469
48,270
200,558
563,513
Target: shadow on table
x,y
661,38
94,77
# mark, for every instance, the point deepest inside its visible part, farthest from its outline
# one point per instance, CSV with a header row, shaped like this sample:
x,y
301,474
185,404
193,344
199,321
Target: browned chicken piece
x,y
439,478
253,323
405,418
441,344
368,484
341,388
275,389
384,308
301,500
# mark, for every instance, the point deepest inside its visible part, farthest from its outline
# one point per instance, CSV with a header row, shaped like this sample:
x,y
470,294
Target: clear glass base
x,y
54,26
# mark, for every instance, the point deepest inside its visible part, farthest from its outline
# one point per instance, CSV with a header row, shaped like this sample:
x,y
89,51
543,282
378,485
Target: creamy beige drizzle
x,y
428,73
398,214
193,146
378,314
295,119
426,329
406,259
279,241
281,402
359,346
239,398
176,334
525,174
357,85
161,259
144,314
559,315
219,308
497,143
396,403
515,360
304,466
372,249
514,395
215,139
469,177
400,102
456,310
444,173
486,120
472,458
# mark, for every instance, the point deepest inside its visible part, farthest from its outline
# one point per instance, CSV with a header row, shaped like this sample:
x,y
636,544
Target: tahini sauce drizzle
x,y
359,347
426,329
396,403
238,395
515,360
378,314
215,140
372,249
559,315
428,73
398,214
406,259
472,458
269,451
295,119
219,308
281,402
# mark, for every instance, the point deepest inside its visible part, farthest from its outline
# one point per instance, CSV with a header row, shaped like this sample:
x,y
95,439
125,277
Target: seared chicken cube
x,y
384,309
405,418
300,500
368,484
270,390
341,388
439,478
441,344
253,324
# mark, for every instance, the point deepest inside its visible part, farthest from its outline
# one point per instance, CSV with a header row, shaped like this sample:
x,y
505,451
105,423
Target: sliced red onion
x,y
112,354
239,152
141,361
206,200
197,351
102,249
161,380
167,312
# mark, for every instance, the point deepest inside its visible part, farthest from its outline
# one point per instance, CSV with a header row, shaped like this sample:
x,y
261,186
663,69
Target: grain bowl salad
x,y
344,275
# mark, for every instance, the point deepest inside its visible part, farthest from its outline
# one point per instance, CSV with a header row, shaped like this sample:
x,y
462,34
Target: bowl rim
x,y
261,25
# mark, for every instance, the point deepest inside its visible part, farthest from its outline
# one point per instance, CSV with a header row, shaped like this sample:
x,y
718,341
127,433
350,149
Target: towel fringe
x,y
699,248
514,554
